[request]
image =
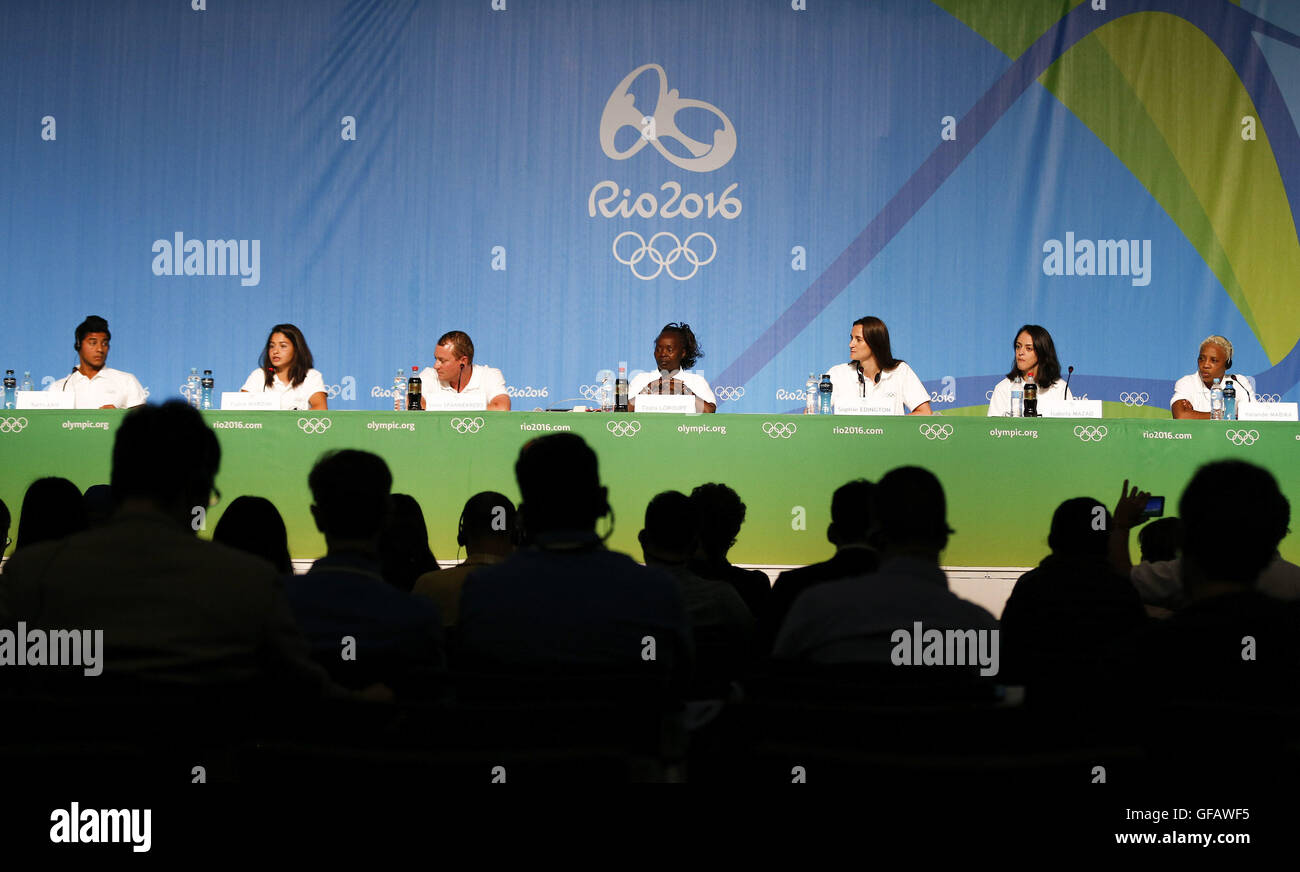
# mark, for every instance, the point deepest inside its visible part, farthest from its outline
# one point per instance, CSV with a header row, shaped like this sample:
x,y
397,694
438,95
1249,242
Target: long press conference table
x,y
1003,477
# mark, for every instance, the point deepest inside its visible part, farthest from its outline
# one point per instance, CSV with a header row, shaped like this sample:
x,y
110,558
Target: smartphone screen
x,y
1155,508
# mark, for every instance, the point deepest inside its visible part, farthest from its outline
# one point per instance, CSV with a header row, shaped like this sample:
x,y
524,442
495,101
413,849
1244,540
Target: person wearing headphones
x,y
1192,392
487,533
95,385
874,375
1035,358
455,372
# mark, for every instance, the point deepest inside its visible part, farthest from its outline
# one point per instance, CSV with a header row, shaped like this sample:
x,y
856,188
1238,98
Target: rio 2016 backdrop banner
x,y
560,178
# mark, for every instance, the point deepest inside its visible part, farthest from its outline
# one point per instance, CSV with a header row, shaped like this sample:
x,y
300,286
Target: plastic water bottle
x,y
192,387
207,385
1216,400
27,382
1016,409
11,386
413,389
1229,400
605,389
824,392
810,395
399,391
620,388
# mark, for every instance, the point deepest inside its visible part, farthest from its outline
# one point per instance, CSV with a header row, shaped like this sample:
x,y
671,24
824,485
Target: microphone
x,y
862,379
1068,376
460,375
1237,380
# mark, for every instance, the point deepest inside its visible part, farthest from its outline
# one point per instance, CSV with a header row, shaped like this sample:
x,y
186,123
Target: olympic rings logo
x,y
623,428
1134,398
1268,398
681,250
935,431
725,394
1088,433
466,425
314,426
12,425
779,429
332,391
1242,437
589,392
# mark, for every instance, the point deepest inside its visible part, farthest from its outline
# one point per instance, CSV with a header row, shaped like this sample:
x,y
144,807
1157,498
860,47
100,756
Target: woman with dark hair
x,y
404,553
676,351
873,376
1035,359
253,525
286,369
52,508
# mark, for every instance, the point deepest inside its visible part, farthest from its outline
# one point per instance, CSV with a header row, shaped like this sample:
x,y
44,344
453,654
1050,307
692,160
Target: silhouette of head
x,y
167,456
350,491
910,512
1161,539
52,508
1080,528
98,499
487,523
404,553
719,514
559,482
254,525
668,536
1233,518
851,513
5,520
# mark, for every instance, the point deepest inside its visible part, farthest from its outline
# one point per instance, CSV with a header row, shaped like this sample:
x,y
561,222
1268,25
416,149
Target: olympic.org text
x,y
1163,434
97,825
721,430
409,426
1033,434
85,425
24,647
546,428
858,431
236,425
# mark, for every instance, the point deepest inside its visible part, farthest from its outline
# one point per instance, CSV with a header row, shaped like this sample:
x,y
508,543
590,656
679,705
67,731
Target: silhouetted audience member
x,y
253,525
719,514
5,520
98,499
52,508
487,533
1230,641
404,553
361,628
853,620
564,600
1160,583
721,625
175,610
1062,616
848,531
1160,539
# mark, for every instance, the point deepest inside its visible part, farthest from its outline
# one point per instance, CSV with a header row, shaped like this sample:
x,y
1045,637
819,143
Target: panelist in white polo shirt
x,y
286,369
455,372
873,376
1192,392
676,350
1035,357
97,386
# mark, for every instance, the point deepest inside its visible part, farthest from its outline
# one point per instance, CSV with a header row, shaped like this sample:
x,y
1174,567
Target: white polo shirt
x,y
1000,405
1194,391
109,387
898,387
484,380
696,384
298,398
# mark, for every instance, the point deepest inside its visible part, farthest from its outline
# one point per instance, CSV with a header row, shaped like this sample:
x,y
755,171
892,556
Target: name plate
x,y
1267,412
446,401
863,407
1069,408
680,404
239,401
48,399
